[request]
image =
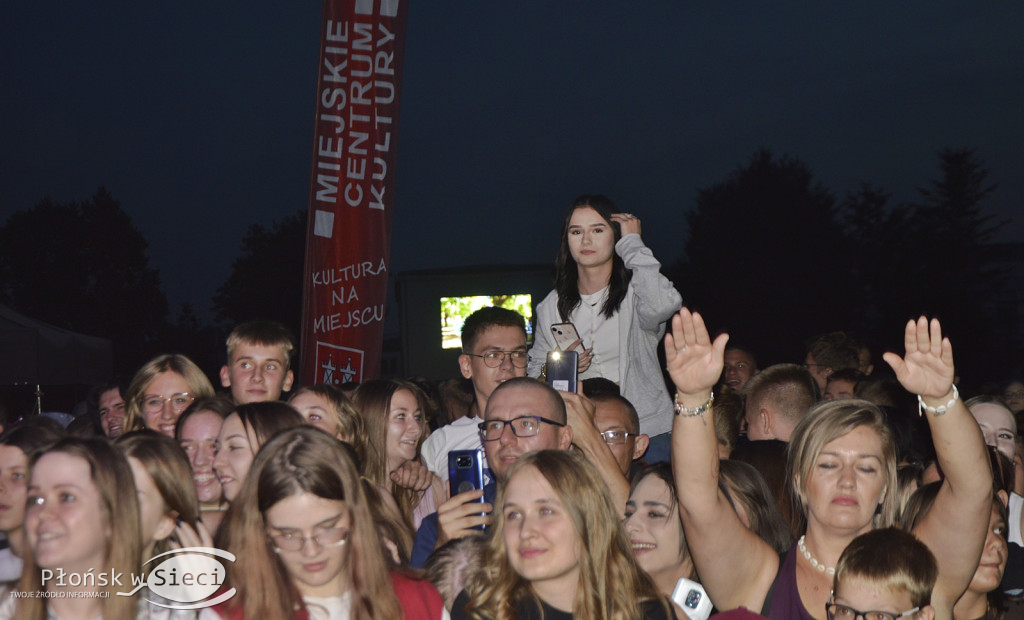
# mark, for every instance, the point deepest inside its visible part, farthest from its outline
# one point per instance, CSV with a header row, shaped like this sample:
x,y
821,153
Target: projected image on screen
x,y
454,311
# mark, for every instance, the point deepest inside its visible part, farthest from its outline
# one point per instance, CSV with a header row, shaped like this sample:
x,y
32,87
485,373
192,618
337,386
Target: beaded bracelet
x,y
941,409
691,412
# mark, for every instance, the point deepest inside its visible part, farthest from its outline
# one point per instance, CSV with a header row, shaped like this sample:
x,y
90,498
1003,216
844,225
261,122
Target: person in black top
x,y
558,550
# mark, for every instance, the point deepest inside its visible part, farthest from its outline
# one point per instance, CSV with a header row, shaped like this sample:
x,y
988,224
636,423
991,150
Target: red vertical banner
x,y
348,241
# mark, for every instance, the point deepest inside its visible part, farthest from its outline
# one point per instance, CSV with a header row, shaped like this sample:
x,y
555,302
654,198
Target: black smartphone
x,y
561,370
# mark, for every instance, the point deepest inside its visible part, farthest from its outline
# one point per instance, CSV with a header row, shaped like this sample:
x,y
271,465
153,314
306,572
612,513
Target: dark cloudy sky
x,y
198,116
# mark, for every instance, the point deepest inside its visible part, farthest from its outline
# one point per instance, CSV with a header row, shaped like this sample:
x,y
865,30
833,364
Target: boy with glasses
x,y
884,575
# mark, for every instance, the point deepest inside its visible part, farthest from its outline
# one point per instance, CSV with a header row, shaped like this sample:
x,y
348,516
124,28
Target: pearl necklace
x,y
831,571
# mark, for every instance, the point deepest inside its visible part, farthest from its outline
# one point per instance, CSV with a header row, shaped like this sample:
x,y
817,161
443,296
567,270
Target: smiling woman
x,y
393,414
240,438
558,549
75,489
161,390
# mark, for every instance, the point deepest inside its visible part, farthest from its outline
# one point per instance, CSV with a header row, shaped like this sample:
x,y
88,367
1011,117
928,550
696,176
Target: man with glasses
x,y
619,425
493,351
522,415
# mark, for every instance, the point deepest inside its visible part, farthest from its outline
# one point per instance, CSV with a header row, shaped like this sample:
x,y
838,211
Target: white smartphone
x,y
566,334
691,596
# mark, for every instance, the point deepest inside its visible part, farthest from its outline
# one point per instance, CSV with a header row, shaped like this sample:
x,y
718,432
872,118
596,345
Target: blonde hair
x,y
373,401
198,385
347,421
110,472
262,334
824,423
168,466
890,559
611,585
299,460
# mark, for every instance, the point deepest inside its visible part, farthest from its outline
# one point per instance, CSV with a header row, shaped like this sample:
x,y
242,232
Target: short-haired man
x,y
493,351
828,353
522,415
259,362
740,366
777,399
617,421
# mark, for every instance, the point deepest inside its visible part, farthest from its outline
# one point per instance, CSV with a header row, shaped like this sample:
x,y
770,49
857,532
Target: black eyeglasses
x,y
835,611
493,359
523,426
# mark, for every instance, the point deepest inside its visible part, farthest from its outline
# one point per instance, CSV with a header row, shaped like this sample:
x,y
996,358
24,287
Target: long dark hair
x,y
567,272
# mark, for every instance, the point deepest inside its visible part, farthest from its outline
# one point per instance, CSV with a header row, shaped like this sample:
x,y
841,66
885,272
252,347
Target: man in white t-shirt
x,y
493,351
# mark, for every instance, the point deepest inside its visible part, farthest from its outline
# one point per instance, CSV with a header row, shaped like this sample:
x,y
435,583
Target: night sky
x,y
199,119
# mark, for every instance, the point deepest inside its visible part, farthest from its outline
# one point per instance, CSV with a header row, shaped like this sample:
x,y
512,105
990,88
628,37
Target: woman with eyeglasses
x,y
161,390
609,286
393,414
842,471
305,542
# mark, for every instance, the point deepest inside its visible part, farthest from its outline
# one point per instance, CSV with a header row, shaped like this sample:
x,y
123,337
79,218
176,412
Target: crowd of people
x,y
827,489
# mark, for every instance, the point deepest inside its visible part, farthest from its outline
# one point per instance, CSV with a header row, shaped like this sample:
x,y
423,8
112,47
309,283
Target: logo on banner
x,y
188,576
336,365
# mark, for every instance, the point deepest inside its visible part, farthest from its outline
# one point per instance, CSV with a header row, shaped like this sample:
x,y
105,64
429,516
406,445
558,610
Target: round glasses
x,y
324,537
493,359
523,426
153,404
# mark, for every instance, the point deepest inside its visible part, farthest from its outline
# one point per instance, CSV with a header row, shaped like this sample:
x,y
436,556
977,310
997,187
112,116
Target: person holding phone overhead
x,y
609,289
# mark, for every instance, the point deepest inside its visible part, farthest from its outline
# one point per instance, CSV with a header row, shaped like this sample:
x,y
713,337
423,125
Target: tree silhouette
x,y
83,266
266,280
766,258
770,258
950,236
